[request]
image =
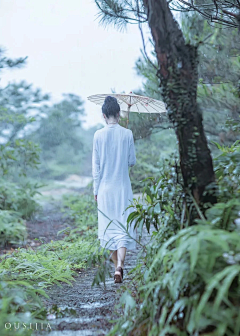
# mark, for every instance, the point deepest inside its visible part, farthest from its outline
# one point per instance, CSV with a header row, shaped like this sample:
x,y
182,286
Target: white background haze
x,y
68,50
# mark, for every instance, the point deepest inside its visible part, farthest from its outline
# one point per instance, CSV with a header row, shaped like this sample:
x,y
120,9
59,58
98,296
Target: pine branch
x,y
118,13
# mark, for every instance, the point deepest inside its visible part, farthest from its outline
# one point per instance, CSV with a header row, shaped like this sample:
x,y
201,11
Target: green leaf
x,y
194,250
232,272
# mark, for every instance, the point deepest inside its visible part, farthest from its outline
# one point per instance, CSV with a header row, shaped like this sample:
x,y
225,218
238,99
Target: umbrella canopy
x,y
132,103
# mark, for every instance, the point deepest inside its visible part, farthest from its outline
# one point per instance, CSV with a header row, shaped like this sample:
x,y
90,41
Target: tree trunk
x,y
178,74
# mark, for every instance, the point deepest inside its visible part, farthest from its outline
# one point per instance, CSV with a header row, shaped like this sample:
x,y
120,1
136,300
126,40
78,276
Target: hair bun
x,y
110,107
109,99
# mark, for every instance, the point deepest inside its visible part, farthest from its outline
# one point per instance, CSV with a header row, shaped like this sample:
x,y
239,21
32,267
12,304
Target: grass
x,y
25,272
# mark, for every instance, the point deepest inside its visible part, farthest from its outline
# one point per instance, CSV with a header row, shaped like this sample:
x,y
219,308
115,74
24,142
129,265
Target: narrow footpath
x,y
86,310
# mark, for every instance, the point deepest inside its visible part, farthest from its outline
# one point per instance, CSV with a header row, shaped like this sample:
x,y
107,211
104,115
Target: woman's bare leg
x,y
121,253
114,257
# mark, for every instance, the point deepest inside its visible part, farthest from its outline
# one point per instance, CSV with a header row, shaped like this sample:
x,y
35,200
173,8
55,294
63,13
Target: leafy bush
x,y
20,303
19,198
56,261
227,170
164,197
32,270
150,158
12,227
191,287
42,265
82,209
189,282
18,156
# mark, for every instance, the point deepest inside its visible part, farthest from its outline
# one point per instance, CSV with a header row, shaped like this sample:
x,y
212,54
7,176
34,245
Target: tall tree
x,y
59,126
219,72
178,74
17,154
18,102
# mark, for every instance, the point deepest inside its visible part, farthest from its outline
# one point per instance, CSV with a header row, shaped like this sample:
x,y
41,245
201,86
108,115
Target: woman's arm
x,y
95,166
132,154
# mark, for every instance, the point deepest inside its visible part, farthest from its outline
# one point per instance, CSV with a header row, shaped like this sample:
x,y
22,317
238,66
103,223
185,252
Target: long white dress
x,y
113,153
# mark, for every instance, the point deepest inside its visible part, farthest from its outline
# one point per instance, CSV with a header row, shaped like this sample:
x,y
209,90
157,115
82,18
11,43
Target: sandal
x,y
118,276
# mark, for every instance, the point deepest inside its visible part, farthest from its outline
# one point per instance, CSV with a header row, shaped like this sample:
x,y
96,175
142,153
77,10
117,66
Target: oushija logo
x,y
29,326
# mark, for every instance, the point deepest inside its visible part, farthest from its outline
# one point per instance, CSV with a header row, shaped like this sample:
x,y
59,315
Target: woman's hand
x,y
95,197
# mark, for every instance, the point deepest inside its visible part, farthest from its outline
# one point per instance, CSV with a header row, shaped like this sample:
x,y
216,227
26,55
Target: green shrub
x,y
227,170
164,197
189,283
150,158
32,270
82,209
19,198
18,156
190,288
12,227
20,304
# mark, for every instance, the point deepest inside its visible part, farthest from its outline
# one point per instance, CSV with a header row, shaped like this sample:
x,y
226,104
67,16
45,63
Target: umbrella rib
x,y
157,103
137,108
146,107
154,101
162,106
125,101
139,101
98,96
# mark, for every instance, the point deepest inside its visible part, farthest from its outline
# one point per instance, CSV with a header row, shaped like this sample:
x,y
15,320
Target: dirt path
x,y
93,307
86,311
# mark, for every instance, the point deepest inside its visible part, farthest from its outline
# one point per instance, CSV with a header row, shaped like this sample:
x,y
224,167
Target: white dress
x,y
113,153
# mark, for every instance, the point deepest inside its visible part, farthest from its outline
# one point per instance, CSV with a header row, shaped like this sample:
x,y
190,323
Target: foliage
x,y
149,158
60,128
43,265
59,124
20,304
31,270
55,261
163,197
100,257
17,200
18,155
19,101
190,287
219,69
227,171
19,197
189,281
145,69
119,13
12,229
25,272
224,13
82,209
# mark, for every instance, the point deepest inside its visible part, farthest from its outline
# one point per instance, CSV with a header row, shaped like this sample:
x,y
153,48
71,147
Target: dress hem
x,y
114,247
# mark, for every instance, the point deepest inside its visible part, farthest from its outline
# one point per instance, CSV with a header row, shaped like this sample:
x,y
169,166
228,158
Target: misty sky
x,y
68,51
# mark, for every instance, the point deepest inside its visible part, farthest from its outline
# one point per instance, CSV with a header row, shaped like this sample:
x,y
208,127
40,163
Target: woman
x,y
113,153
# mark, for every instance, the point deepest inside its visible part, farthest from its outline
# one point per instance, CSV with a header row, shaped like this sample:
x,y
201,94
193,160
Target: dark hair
x,y
110,107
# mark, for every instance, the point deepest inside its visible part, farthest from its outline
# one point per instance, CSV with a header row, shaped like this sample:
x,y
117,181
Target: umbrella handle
x,y
129,106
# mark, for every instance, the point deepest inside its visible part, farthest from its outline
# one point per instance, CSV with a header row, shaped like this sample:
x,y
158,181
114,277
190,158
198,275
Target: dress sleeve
x,y
95,166
132,155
